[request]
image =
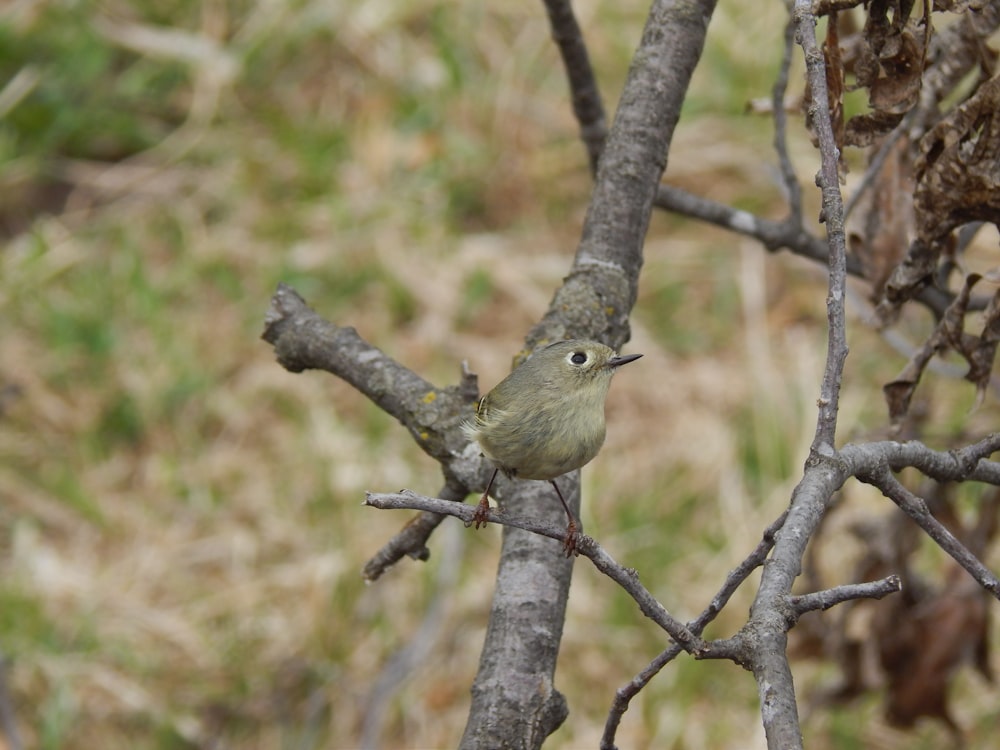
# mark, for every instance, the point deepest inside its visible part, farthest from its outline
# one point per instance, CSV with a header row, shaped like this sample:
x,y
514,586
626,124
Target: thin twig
x,y
916,508
585,545
839,594
774,235
792,186
778,235
832,213
411,540
736,577
585,95
960,465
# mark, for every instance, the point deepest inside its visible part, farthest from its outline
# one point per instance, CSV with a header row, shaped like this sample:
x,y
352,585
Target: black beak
x,y
619,361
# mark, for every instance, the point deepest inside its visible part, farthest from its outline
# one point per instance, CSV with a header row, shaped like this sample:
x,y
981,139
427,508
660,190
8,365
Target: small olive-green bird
x,y
546,418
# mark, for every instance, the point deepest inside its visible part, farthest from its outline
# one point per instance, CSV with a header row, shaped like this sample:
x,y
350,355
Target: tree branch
x,y
303,340
625,694
411,540
960,465
832,213
596,298
763,642
839,594
584,94
792,187
916,508
594,302
786,234
627,578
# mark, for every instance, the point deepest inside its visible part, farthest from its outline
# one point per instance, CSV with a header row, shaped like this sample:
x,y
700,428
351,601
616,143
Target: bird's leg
x,y
572,530
479,517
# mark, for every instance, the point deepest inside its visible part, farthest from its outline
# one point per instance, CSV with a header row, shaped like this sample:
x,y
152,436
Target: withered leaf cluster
x,y
978,350
931,133
910,646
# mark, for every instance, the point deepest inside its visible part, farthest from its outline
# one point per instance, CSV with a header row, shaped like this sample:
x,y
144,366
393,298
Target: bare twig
x,y
627,578
840,594
960,465
411,540
736,577
793,189
774,235
778,235
585,95
763,642
916,508
832,213
303,340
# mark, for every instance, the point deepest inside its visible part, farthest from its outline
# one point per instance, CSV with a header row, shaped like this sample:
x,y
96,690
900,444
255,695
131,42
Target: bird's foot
x,y
570,540
479,518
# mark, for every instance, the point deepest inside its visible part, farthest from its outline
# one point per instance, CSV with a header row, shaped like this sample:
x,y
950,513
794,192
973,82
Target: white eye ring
x,y
577,358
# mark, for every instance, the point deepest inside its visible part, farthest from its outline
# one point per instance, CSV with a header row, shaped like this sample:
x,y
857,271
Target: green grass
x,y
182,529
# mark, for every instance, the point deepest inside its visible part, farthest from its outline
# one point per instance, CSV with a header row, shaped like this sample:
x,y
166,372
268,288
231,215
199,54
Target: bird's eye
x,y
578,358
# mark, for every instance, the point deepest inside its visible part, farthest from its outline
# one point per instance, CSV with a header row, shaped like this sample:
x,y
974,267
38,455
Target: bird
x,y
546,418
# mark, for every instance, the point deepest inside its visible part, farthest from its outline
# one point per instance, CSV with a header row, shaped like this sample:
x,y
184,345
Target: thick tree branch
x,y
303,340
594,302
597,296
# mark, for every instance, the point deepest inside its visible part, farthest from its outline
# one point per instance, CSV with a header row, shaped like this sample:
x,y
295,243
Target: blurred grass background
x,y
182,532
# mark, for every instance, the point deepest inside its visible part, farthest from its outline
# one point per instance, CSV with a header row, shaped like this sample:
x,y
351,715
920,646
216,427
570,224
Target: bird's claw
x,y
479,518
570,540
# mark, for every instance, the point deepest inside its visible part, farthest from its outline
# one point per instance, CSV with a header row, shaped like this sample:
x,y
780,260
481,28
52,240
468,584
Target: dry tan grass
x,y
197,581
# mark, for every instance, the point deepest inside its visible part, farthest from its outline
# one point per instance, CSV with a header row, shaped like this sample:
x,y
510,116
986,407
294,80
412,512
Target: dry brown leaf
x,y
912,644
882,224
835,80
923,643
948,334
898,89
958,170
